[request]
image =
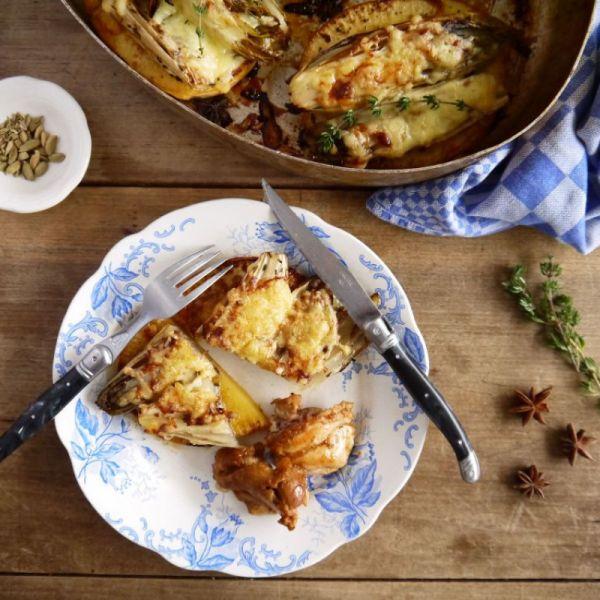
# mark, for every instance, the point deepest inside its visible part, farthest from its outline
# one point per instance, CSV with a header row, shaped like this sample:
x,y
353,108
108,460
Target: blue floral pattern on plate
x,y
115,460
351,491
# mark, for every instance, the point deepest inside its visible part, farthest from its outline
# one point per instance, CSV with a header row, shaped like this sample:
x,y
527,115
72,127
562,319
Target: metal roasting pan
x,y
561,28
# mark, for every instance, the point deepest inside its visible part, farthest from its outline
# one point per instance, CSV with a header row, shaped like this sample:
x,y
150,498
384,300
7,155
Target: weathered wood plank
x,y
42,588
480,350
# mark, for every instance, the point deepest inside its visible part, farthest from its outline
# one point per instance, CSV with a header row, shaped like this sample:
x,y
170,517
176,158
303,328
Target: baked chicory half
x,y
191,48
178,393
283,322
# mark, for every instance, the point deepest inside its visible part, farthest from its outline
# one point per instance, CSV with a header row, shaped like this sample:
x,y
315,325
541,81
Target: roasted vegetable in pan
x,y
390,61
191,48
417,119
314,74
363,18
255,29
176,392
297,330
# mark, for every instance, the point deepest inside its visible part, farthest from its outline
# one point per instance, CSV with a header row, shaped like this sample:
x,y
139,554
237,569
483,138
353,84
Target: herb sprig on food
x,y
432,101
328,138
200,10
333,131
553,309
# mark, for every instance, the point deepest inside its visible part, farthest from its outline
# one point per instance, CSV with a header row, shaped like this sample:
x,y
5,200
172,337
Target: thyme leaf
x,y
200,9
348,119
460,104
374,105
328,138
403,103
431,101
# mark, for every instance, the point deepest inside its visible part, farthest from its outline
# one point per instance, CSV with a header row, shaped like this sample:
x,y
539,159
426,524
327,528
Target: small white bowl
x,y
62,116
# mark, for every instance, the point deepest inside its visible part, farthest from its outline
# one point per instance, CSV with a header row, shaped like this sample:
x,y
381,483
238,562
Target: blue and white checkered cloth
x,y
548,179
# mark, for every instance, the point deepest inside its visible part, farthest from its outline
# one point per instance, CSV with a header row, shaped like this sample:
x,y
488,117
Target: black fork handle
x,y
44,409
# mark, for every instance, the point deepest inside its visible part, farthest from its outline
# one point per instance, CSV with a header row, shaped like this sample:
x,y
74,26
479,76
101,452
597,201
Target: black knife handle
x,y
436,408
44,409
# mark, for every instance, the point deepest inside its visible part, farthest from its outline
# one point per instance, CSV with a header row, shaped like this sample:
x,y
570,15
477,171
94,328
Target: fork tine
x,y
191,268
190,283
185,300
172,270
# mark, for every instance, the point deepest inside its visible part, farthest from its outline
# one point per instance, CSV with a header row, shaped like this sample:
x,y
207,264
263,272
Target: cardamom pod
x,y
41,169
13,169
50,144
28,172
29,145
26,148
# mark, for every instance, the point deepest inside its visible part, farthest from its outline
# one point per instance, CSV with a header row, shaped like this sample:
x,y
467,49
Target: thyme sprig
x,y
432,101
348,119
200,10
554,311
328,138
333,131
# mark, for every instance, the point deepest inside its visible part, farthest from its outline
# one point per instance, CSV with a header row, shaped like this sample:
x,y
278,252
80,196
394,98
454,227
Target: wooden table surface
x,y
439,538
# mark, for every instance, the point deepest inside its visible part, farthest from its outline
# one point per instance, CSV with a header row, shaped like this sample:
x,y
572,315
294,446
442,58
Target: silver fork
x,y
166,295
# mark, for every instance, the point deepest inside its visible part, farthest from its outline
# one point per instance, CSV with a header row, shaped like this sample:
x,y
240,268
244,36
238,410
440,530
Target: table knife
x,y
378,331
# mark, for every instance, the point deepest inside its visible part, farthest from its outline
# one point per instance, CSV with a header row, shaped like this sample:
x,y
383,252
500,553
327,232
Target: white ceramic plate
x,y
63,117
162,496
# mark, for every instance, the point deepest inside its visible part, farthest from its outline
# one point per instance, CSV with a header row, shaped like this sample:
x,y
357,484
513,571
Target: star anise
x,y
531,405
531,482
576,442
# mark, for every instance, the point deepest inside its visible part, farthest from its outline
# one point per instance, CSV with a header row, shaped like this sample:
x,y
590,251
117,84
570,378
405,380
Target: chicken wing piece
x,y
264,488
319,441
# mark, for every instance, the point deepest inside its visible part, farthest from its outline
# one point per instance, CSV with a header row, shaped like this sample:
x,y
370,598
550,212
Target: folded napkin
x,y
548,179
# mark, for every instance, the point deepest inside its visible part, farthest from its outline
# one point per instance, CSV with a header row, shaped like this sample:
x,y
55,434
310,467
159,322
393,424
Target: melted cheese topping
x,y
201,49
310,333
395,133
174,359
250,320
293,333
182,41
173,380
382,64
